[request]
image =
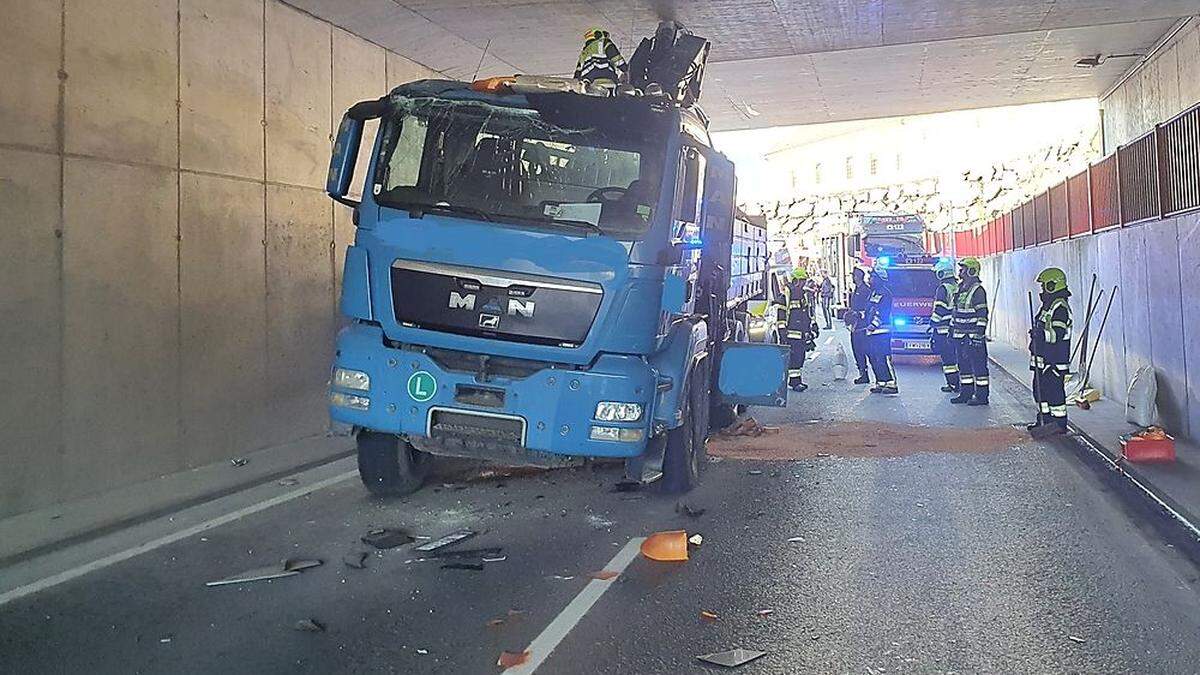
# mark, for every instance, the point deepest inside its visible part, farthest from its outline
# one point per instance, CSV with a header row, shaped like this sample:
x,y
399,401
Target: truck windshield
x,y
898,244
499,163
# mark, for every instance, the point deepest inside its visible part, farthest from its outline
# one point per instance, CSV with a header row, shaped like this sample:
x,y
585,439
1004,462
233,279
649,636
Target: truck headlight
x,y
351,401
619,434
612,411
344,378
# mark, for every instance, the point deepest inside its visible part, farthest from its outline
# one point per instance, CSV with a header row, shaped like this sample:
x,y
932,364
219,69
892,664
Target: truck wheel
x,y
388,466
685,453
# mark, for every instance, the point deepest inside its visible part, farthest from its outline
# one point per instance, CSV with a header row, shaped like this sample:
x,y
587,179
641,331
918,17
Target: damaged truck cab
x,y
539,277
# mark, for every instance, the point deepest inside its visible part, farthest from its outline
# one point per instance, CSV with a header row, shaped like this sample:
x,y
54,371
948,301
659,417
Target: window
x,y
691,171
404,165
849,168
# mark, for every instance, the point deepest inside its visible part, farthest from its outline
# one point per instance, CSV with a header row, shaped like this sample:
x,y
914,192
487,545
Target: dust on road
x,y
863,439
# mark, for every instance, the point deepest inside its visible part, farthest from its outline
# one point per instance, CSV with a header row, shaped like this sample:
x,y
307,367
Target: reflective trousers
x,y
944,347
879,352
799,352
973,367
1050,390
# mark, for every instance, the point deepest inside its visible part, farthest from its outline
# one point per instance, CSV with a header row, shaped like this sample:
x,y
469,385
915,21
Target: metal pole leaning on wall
x,y
1087,324
1096,345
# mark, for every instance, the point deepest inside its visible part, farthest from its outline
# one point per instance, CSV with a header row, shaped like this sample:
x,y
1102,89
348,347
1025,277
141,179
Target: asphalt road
x,y
1013,560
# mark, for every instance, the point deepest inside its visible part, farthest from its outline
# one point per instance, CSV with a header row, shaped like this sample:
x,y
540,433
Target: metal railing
x,y
1155,176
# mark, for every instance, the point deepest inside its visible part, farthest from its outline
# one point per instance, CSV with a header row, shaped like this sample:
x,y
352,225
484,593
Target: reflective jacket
x,y
600,60
943,306
1051,335
800,325
970,318
879,311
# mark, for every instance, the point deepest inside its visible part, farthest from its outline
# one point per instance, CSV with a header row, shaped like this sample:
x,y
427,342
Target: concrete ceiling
x,y
782,62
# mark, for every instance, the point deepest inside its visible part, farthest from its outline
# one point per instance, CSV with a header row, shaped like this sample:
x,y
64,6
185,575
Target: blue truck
x,y
541,275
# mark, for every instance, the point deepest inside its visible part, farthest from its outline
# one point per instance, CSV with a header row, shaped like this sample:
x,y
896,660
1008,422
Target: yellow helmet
x,y
594,34
970,265
800,273
1052,279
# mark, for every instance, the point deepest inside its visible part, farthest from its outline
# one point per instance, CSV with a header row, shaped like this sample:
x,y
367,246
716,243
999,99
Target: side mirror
x,y
346,147
345,156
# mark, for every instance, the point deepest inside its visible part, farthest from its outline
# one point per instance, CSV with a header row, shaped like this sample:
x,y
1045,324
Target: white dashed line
x,y
543,645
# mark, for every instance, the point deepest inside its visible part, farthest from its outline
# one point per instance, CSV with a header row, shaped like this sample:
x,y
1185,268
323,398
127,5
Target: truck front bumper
x,y
551,410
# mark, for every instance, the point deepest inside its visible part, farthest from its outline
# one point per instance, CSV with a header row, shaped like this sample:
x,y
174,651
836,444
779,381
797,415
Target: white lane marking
x,y
120,556
548,639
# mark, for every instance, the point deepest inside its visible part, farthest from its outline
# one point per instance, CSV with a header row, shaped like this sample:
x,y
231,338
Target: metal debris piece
x,y
796,540
765,612
442,542
732,658
474,567
422,652
257,574
1076,639
300,564
491,551
708,616
604,575
755,472
357,559
288,482
309,626
691,511
495,623
512,659
696,539
824,455
238,461
560,577
492,559
387,537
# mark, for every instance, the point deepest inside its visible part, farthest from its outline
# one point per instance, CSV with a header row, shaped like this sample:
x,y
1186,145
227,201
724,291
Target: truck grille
x,y
488,303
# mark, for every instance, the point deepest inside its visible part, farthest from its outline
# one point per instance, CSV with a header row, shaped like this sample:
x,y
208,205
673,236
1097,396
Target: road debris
x,y
257,574
823,455
755,472
748,427
357,559
604,575
491,551
708,616
796,540
670,546
423,652
442,542
238,461
473,567
512,659
289,482
732,658
299,564
387,537
696,539
309,626
560,577
765,612
1076,639
494,559
845,439
689,510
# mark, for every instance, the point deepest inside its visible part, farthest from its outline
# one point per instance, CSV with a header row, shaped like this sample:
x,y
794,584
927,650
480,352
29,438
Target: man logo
x,y
458,301
490,321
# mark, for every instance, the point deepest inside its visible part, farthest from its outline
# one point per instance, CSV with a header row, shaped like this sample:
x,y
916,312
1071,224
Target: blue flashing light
x,y
899,321
883,261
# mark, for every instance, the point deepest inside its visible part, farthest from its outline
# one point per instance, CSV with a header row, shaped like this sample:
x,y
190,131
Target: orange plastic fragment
x,y
708,616
670,546
604,575
512,659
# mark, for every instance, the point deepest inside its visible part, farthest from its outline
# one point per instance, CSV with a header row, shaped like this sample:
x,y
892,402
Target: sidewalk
x,y
1175,485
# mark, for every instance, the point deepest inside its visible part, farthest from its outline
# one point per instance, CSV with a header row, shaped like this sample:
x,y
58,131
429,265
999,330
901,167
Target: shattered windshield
x,y
876,245
497,163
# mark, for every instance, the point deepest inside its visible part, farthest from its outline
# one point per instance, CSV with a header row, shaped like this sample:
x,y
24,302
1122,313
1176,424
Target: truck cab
x,y
539,276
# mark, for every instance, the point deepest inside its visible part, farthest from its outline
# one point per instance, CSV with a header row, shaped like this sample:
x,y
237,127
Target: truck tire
x,y
685,454
388,466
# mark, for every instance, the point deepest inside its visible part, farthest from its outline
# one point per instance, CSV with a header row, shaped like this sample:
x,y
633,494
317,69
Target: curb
x,y
1185,522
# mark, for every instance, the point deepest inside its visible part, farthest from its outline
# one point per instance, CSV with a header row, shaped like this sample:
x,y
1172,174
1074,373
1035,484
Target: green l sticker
x,y
421,386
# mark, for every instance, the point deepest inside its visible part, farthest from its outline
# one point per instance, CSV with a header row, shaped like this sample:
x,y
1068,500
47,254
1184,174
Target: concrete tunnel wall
x,y
1159,89
169,262
1155,319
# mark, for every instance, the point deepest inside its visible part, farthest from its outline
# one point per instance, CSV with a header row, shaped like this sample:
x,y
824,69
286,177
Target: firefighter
x,y
879,333
939,321
857,322
1050,353
600,62
968,328
801,329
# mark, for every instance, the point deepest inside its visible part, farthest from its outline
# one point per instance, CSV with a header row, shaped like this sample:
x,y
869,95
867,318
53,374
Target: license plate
x,y
916,344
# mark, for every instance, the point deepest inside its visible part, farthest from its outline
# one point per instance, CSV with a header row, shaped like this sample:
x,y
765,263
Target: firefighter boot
x,y
1048,428
966,393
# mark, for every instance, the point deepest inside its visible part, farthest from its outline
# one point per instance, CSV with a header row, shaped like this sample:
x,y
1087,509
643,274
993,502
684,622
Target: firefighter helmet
x,y
970,266
1052,279
944,269
800,273
880,272
594,34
